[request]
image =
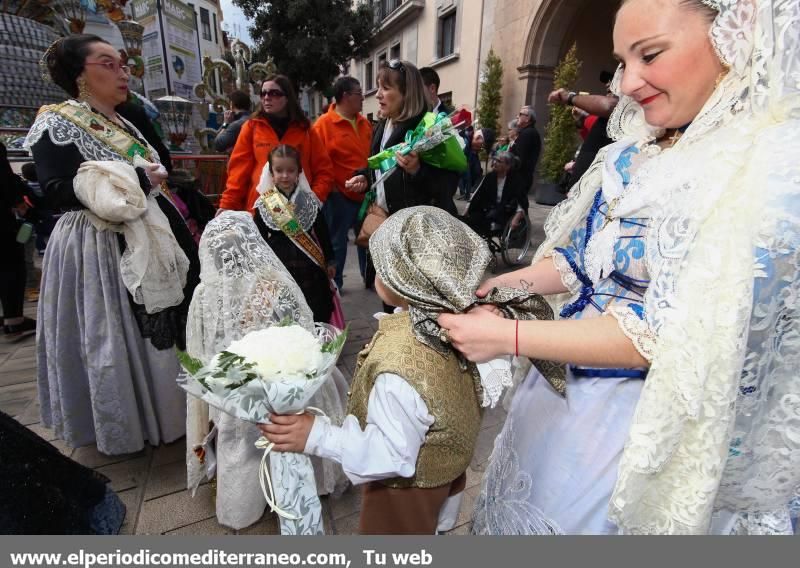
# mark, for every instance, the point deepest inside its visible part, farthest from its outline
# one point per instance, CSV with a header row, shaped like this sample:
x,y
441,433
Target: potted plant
x,y
560,139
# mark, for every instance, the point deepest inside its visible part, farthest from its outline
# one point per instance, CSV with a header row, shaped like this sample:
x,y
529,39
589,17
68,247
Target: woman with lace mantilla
x,y
674,268
120,266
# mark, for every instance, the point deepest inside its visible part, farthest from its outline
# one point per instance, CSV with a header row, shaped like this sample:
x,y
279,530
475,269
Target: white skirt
x,y
554,464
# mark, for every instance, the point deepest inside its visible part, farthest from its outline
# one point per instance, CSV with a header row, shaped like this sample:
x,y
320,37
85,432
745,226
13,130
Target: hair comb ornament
x,y
43,61
713,4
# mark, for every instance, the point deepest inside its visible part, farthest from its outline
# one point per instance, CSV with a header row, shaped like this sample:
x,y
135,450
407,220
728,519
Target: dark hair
x,y
240,100
343,85
285,151
29,172
430,77
65,60
295,113
606,76
407,79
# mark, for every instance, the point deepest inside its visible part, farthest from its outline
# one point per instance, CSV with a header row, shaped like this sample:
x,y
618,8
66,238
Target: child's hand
x,y
331,271
359,184
289,432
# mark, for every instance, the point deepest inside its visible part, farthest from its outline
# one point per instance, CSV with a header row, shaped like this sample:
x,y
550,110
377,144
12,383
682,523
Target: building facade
x,y
454,37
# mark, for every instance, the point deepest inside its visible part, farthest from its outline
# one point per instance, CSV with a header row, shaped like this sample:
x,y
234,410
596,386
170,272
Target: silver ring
x,y
444,336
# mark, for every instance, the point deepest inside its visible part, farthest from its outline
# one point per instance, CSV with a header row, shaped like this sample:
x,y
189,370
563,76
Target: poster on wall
x,y
169,48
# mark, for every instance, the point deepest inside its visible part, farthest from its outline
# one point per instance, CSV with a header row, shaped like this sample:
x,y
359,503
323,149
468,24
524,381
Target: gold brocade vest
x,y
447,390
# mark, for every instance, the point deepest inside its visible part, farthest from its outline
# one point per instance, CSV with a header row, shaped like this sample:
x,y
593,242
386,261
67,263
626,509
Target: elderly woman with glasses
x,y
402,103
279,121
114,300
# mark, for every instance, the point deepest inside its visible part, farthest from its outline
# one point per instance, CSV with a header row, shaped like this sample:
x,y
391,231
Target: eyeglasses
x,y
356,93
273,94
113,66
396,65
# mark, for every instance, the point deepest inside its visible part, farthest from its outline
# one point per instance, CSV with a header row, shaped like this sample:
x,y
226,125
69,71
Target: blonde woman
x,y
402,102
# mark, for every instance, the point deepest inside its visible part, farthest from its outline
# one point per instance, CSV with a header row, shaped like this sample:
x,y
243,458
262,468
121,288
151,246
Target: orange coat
x,y
348,147
251,152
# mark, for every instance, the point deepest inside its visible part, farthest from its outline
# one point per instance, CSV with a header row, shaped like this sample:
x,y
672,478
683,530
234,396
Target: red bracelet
x,y
516,340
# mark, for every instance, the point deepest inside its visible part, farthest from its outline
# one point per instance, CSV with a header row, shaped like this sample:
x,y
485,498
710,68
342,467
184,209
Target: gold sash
x,y
102,130
281,212
107,133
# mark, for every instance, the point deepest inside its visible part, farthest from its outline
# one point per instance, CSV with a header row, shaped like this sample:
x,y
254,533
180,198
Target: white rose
x,y
278,352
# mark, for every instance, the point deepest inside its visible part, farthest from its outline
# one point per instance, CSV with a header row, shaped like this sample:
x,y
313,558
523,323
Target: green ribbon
x,y
369,199
387,159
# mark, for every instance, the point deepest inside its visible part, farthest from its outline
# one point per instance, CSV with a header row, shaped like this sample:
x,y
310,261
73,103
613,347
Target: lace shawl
x,y
244,287
153,266
305,202
718,421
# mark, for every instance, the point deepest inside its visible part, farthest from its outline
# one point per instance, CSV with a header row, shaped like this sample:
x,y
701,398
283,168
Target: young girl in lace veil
x,y
674,268
244,287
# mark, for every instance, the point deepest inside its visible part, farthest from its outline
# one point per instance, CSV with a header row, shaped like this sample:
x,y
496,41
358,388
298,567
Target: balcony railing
x,y
384,8
389,13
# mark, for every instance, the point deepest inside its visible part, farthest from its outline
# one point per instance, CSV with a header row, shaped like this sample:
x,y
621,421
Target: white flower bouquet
x,y
273,371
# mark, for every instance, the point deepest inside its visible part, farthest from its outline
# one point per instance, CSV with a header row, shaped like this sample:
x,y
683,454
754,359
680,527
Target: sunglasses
x,y
113,66
396,65
273,94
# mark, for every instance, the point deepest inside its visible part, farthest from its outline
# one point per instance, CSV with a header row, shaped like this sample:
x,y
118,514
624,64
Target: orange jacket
x,y
348,147
251,152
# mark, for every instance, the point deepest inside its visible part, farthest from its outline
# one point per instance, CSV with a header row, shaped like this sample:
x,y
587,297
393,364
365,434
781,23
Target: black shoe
x,y
19,330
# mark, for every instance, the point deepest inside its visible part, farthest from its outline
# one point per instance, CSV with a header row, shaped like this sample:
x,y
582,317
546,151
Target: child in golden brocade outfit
x,y
413,413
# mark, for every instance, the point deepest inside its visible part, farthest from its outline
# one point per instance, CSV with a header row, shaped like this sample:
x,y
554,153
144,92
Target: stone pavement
x,y
152,483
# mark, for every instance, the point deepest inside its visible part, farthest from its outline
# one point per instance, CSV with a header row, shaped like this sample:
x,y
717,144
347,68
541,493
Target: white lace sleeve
x,y
636,329
568,276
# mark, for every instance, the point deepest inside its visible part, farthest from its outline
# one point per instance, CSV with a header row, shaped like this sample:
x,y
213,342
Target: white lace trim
x,y
63,132
568,276
635,329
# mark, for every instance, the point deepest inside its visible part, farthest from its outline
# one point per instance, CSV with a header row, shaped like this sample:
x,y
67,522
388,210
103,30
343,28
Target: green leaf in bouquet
x,y
189,363
286,322
335,345
236,368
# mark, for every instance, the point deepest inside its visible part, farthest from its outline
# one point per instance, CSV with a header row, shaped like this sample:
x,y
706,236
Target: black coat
x,y
312,279
430,186
596,139
483,207
527,148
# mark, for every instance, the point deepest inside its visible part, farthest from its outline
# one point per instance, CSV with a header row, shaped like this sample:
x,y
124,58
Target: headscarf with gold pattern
x,y
436,263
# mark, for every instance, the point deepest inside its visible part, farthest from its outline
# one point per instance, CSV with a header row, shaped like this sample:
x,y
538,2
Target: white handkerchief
x,y
496,375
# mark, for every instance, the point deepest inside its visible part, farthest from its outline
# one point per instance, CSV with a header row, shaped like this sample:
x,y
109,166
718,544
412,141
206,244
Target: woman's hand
x,y
479,334
409,163
156,173
331,270
289,432
359,184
